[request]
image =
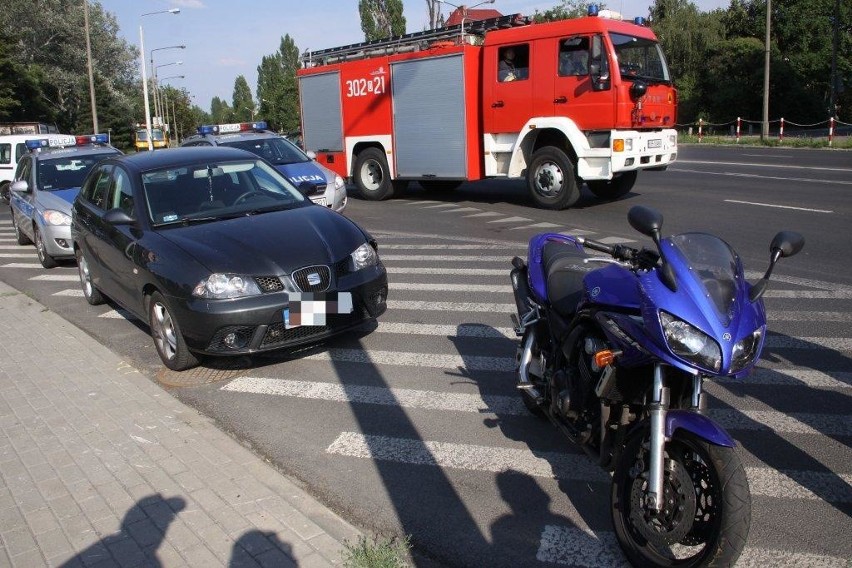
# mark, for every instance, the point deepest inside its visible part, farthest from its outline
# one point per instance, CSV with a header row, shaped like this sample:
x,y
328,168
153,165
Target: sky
x,y
228,38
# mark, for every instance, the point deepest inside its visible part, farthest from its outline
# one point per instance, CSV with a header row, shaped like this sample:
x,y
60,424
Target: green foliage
x,y
565,10
277,87
243,106
220,111
376,553
381,19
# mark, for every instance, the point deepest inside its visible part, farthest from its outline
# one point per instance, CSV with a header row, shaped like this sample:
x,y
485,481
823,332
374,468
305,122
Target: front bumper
x,y
258,323
642,150
57,240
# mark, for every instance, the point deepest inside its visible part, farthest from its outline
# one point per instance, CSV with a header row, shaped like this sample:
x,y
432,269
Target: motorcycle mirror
x,y
647,221
787,242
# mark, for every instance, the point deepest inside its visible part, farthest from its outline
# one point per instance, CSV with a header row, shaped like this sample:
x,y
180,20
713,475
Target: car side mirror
x,y
600,78
20,186
311,154
118,217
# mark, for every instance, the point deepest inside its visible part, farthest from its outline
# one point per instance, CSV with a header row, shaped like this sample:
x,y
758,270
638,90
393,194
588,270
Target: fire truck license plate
x,y
655,143
319,201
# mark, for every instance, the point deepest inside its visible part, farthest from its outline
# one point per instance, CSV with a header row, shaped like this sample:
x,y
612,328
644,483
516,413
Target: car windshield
x,y
714,264
640,58
214,191
65,172
276,150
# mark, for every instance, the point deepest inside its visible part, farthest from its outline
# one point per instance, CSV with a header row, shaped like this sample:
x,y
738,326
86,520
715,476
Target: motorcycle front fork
x,y
658,408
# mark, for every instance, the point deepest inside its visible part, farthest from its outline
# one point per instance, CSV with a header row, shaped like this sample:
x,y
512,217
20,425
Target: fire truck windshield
x,y
640,58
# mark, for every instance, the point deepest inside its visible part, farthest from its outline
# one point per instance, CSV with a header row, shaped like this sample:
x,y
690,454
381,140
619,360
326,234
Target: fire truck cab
x,y
559,104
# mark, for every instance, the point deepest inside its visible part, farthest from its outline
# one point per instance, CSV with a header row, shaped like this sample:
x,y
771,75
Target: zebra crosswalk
x,y
418,426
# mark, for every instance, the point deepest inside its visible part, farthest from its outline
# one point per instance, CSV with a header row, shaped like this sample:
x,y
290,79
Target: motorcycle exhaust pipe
x,y
524,382
521,290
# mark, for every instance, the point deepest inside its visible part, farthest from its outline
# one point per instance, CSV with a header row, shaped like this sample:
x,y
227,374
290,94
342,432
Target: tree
x,y
244,107
436,19
565,10
381,19
277,87
220,111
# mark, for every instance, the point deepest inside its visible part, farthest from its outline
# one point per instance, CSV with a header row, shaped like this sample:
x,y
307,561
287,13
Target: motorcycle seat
x,y
564,269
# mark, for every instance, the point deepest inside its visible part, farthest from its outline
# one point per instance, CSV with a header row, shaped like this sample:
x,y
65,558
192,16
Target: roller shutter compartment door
x,y
322,128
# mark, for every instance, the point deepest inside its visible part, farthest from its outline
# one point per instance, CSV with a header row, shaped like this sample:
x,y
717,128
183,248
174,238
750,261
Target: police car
x,y
46,181
320,184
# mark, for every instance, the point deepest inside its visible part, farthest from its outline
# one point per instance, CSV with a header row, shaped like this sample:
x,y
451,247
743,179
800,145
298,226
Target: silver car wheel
x,y
163,330
85,277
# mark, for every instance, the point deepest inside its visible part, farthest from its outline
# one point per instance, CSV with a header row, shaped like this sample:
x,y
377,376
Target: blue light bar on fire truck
x,y
65,141
232,128
593,9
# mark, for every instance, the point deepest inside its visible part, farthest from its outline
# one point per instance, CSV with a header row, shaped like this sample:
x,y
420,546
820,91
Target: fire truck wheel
x,y
618,186
551,179
371,175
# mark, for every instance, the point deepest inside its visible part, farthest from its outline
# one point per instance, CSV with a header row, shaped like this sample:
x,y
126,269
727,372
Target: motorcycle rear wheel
x,y
718,505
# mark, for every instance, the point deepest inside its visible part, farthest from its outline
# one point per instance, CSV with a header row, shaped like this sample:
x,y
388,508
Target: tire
x,y
20,237
90,292
551,179
4,191
167,336
45,259
440,185
618,186
710,485
372,177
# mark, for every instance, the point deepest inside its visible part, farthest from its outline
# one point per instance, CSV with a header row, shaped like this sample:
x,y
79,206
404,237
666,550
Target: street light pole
x,y
764,131
464,9
91,74
145,74
158,99
165,104
158,110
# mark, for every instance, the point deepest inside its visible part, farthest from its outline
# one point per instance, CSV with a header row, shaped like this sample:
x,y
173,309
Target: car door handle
x,y
497,104
560,100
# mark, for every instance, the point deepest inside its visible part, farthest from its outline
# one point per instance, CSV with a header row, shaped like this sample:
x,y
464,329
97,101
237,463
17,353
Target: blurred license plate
x,y
655,143
319,201
312,309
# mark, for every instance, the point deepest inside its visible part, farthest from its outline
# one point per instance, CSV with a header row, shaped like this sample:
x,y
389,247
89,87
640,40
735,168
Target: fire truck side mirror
x,y
311,154
600,79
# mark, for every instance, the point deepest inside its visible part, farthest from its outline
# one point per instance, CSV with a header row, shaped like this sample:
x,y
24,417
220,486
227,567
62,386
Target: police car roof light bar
x,y
257,126
65,141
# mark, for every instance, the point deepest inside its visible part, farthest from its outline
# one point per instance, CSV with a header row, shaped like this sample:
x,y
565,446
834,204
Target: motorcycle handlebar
x,y
619,252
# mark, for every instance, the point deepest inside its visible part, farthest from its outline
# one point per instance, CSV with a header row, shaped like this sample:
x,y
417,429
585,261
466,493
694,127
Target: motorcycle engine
x,y
574,398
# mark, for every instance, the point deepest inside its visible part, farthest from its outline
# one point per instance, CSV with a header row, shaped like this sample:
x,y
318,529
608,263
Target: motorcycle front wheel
x,y
706,515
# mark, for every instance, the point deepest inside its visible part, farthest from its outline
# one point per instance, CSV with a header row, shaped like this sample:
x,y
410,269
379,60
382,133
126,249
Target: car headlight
x,y
338,182
364,256
690,343
58,218
223,286
745,350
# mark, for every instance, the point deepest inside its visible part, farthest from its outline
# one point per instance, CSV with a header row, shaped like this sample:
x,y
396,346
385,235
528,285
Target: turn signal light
x,y
618,145
604,358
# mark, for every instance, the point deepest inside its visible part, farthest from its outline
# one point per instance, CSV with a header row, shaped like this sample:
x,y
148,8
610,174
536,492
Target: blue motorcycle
x,y
616,357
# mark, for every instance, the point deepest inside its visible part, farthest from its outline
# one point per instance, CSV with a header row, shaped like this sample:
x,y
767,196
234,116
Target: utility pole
x,y
91,75
832,99
764,131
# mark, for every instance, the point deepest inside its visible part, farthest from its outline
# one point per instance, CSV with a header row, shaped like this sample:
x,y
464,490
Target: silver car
x,y
319,183
47,180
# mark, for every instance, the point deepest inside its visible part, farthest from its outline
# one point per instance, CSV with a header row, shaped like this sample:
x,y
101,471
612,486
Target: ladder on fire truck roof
x,y
410,42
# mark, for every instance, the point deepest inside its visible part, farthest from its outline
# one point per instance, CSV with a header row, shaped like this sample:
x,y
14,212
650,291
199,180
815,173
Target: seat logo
x,y
314,279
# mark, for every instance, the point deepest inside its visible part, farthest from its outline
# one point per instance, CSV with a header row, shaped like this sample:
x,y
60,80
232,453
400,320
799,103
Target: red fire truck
x,y
562,103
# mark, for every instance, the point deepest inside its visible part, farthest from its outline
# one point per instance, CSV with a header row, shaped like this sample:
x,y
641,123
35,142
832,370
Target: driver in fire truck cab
x,y
513,64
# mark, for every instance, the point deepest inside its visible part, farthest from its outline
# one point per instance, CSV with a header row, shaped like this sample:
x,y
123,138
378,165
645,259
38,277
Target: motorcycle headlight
x,y
364,256
53,217
338,182
225,286
745,350
690,343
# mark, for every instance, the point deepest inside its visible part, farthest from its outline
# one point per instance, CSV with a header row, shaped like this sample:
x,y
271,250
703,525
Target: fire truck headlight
x,y
618,145
628,144
672,139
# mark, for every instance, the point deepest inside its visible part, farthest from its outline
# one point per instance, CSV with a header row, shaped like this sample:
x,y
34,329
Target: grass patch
x,y
377,553
839,142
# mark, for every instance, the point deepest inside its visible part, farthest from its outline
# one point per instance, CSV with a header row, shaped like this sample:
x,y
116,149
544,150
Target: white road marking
x,y
782,315
763,177
118,314
14,247
616,240
792,377
781,342
57,277
536,226
445,258
461,210
22,265
451,247
778,206
15,255
576,233
792,423
408,359
578,546
809,294
461,330
442,206
453,271
485,214
421,202
511,220
450,306
505,289
775,166
75,293
829,487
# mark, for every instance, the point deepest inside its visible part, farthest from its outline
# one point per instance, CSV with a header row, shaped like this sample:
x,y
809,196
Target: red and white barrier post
x,y
830,130
781,131
739,121
700,126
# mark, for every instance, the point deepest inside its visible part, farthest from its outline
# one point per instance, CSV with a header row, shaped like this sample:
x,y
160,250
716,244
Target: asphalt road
x,y
414,427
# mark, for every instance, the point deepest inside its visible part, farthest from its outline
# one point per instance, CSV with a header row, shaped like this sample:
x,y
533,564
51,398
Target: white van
x,y
12,147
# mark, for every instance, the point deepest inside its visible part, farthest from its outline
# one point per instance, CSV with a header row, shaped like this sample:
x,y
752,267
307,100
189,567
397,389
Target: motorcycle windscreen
x,y
714,265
